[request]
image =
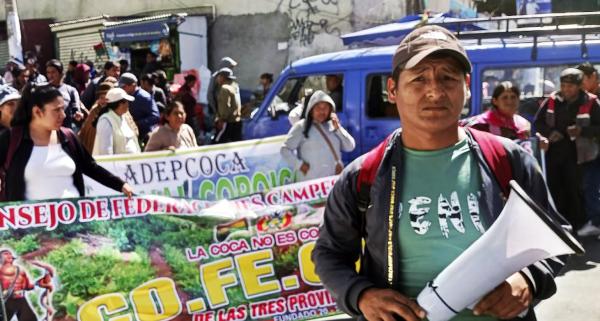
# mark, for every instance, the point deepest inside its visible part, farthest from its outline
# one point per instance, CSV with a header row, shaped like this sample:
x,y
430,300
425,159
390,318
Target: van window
x,y
533,82
293,91
378,103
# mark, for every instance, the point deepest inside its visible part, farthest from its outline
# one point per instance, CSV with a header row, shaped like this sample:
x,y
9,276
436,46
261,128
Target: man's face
x,y
332,82
147,86
590,83
129,89
569,90
7,257
115,71
54,77
430,96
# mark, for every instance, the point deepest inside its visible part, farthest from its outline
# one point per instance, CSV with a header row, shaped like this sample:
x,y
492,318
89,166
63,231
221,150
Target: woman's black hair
x,y
502,87
33,95
105,109
168,110
305,115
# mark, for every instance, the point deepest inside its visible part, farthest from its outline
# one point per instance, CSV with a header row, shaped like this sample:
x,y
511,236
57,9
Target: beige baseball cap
x,y
426,40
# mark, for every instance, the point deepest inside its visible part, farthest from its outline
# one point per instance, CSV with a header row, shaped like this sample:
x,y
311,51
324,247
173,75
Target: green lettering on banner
x,y
259,179
169,257
206,187
243,185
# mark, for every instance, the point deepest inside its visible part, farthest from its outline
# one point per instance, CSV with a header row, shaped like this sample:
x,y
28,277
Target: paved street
x,y
578,289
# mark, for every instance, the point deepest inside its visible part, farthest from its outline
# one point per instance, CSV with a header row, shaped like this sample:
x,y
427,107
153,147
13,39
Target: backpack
x,y
16,136
492,149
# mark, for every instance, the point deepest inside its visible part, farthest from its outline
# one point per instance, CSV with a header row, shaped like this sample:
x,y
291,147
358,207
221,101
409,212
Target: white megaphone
x,y
522,235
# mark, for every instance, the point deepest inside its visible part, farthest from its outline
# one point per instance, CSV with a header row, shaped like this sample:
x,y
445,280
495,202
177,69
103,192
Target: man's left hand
x,y
507,300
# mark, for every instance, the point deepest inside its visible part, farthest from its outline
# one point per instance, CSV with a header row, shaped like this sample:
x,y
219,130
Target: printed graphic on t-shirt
x,y
448,210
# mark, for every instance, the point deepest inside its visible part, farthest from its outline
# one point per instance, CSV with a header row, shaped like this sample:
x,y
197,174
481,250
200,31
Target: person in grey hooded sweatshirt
x,y
314,144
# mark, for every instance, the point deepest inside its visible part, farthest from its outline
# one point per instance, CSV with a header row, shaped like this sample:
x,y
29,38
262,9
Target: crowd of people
x,y
70,115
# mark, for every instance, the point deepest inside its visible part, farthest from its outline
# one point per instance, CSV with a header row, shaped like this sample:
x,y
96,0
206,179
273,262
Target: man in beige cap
x,y
432,196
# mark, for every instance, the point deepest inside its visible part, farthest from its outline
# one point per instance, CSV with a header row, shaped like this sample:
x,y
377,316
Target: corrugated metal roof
x,y
144,19
70,22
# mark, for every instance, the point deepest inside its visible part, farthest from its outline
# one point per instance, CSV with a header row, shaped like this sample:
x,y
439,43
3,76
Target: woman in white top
x,y
113,133
173,133
314,144
43,159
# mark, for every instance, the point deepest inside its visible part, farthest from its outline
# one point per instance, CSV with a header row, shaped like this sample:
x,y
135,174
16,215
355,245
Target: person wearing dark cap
x,y
143,108
407,221
73,112
228,120
570,120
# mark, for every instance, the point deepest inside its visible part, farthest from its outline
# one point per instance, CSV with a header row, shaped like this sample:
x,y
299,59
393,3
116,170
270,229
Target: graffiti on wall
x,y
311,17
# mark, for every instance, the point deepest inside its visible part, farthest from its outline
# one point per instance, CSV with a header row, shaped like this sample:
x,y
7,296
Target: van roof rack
x,y
551,24
518,28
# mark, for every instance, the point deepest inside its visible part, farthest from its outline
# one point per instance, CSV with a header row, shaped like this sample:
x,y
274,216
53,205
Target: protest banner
x,y
224,171
154,258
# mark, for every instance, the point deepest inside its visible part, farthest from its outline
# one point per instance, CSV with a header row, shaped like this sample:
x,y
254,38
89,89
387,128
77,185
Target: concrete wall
x,y
263,35
252,40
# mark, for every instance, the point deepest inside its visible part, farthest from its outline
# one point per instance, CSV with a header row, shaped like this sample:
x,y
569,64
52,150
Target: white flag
x,y
13,30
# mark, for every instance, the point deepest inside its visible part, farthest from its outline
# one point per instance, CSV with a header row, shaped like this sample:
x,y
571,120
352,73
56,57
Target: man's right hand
x,y
385,305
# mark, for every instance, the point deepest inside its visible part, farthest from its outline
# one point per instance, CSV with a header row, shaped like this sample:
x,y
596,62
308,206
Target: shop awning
x,y
393,33
151,28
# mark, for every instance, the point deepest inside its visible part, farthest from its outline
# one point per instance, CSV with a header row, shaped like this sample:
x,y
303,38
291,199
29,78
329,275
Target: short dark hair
x,y
73,63
109,65
505,86
55,63
149,78
587,68
267,76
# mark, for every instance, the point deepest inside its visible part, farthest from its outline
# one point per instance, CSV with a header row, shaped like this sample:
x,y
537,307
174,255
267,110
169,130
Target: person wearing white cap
x,y
113,133
42,159
9,99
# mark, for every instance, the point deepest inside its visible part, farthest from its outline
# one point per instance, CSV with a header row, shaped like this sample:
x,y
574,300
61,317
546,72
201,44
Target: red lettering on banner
x,y
117,207
198,255
229,247
301,195
263,309
206,316
144,205
314,188
308,234
260,242
87,210
309,300
7,218
285,238
232,314
272,198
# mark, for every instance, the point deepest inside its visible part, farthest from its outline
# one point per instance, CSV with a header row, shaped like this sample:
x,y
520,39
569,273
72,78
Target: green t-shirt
x,y
440,214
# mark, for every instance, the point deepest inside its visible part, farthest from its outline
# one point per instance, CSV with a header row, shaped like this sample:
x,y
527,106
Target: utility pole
x,y
13,30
